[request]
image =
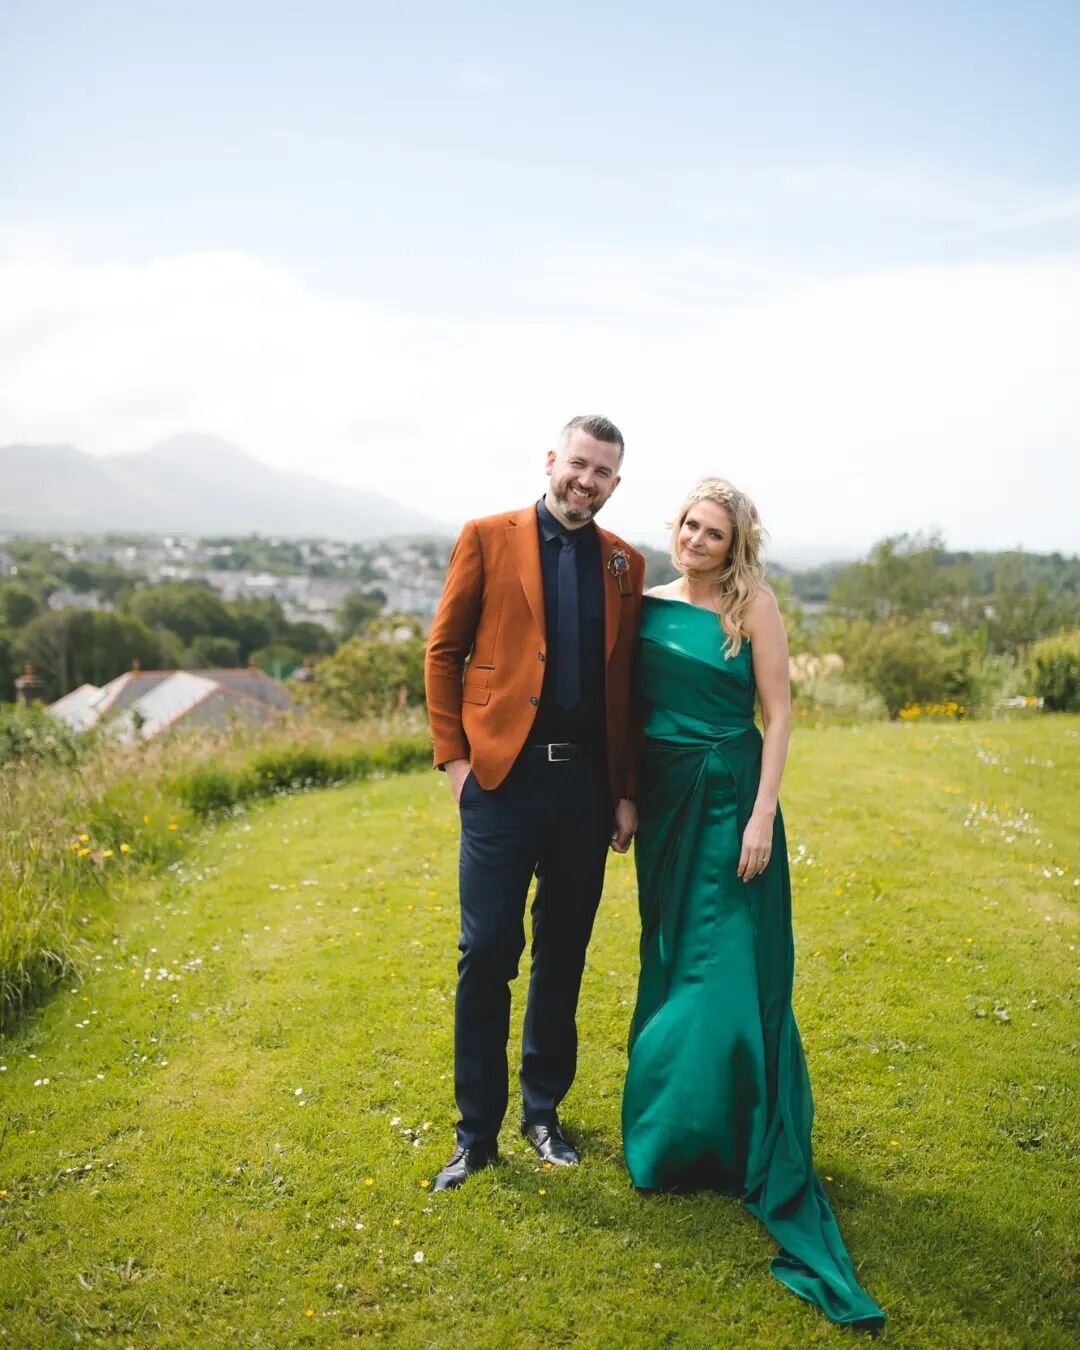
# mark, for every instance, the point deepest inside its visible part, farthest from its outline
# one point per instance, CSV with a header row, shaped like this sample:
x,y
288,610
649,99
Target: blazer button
x,y
534,700
540,655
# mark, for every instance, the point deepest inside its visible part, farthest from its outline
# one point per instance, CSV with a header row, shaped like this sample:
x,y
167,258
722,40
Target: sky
x,y
830,252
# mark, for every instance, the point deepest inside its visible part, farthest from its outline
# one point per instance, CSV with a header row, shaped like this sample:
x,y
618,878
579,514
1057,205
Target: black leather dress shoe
x,y
552,1146
463,1164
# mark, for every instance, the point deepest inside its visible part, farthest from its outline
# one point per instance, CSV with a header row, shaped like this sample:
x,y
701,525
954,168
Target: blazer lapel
x,y
523,538
612,594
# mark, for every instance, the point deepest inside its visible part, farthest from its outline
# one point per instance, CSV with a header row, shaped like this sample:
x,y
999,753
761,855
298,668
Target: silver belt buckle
x,y
558,745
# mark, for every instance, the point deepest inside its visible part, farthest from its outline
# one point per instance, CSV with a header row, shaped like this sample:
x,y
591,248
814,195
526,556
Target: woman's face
x,y
705,537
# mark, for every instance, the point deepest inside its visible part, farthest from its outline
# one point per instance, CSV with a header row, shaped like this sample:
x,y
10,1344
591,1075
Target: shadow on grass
x,y
929,1260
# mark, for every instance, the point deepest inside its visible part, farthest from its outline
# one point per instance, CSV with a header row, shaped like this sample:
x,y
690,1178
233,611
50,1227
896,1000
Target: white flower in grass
x,y
418,1257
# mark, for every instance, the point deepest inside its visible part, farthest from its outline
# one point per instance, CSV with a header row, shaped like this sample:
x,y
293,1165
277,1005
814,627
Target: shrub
x,y
367,676
908,662
31,735
214,790
1055,668
831,698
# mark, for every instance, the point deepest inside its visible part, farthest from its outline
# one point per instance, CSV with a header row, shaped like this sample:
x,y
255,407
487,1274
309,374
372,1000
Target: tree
x,y
258,621
278,659
792,614
7,668
902,578
367,676
70,647
658,565
186,609
310,639
17,605
209,653
357,610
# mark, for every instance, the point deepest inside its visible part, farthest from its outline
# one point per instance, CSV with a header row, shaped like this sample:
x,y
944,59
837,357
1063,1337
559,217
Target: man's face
x,y
584,474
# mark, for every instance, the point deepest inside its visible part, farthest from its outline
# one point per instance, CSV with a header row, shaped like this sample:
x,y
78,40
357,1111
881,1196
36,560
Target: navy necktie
x,y
567,654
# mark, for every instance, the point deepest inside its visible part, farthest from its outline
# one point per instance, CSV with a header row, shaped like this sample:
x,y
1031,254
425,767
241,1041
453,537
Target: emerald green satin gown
x,y
717,1093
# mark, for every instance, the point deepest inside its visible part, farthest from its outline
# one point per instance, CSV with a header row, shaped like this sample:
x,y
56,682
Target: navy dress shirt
x,y
585,723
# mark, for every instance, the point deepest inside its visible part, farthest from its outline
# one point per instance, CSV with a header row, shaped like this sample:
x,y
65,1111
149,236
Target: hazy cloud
x,y
850,406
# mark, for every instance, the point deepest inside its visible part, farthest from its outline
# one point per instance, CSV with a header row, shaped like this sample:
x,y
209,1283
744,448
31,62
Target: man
x,y
528,690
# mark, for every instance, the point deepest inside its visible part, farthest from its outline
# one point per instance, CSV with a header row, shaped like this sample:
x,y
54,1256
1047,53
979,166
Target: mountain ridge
x,y
189,483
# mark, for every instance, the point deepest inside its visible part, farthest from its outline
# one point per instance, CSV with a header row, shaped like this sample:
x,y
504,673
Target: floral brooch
x,y
619,565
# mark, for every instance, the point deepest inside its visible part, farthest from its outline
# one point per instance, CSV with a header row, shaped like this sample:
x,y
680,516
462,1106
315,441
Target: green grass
x,y
77,825
170,1186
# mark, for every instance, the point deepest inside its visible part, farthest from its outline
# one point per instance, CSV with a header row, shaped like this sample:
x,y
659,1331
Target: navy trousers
x,y
554,820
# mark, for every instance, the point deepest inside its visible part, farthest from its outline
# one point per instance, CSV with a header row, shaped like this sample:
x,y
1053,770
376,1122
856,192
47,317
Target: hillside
x,y
189,484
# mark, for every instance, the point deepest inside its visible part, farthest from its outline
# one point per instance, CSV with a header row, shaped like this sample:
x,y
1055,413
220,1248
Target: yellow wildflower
x,y
125,848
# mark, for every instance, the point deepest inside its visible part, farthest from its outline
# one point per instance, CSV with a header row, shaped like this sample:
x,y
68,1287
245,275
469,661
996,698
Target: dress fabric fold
x,y
717,1093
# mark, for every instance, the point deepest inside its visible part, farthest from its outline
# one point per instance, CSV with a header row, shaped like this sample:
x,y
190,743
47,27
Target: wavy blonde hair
x,y
743,575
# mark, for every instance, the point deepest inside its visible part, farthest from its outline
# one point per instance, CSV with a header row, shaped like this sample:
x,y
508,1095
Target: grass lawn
x,y
221,1135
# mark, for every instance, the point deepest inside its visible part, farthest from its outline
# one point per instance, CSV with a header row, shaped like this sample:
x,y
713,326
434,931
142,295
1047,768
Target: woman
x,y
717,1093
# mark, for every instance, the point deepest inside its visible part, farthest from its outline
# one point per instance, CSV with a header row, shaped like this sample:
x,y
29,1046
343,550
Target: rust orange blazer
x,y
491,616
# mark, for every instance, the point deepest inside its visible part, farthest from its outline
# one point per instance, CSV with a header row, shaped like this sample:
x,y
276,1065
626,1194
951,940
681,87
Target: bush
x,y
831,698
367,676
31,735
1055,668
906,662
213,790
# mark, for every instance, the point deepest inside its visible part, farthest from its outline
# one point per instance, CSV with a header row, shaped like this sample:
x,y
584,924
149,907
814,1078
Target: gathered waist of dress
x,y
667,725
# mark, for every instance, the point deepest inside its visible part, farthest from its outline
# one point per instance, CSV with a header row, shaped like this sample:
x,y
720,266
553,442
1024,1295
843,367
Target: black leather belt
x,y
558,752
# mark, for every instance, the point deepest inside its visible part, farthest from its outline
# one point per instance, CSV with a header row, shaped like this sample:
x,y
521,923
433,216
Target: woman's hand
x,y
757,842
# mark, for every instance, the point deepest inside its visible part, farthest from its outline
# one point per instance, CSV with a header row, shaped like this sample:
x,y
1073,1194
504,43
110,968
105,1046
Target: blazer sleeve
x,y
636,727
453,633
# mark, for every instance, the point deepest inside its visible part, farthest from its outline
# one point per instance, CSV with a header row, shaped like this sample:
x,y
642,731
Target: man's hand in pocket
x,y
457,770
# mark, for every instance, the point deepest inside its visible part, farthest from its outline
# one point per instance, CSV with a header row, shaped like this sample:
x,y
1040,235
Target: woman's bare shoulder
x,y
668,591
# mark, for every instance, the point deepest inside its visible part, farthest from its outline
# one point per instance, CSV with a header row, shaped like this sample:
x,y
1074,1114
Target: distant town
x,y
309,578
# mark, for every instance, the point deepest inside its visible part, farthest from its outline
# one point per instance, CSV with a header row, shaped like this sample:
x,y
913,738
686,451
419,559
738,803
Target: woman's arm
x,y
768,645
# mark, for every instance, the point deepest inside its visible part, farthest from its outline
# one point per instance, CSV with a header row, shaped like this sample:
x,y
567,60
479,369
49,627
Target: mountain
x,y
188,484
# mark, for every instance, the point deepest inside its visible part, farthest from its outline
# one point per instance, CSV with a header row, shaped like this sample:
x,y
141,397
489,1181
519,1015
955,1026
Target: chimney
x,y
29,688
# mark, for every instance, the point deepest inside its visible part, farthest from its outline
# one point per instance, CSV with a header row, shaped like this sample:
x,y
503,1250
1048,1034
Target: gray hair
x,y
596,426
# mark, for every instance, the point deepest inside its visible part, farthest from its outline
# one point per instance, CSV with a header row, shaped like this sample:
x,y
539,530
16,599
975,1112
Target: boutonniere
x,y
619,567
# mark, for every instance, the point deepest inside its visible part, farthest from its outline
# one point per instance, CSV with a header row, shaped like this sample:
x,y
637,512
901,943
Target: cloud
x,y
849,406
927,193
482,81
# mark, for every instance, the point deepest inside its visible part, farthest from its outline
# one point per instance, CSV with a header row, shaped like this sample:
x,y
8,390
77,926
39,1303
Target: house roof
x,y
77,708
149,702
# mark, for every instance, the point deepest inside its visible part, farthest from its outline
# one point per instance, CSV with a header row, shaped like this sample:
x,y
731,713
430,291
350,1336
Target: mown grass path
x,y
221,1135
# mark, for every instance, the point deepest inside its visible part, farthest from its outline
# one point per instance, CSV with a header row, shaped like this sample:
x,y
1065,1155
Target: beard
x,y
573,509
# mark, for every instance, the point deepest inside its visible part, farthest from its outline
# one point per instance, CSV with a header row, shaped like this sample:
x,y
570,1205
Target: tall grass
x,y
70,832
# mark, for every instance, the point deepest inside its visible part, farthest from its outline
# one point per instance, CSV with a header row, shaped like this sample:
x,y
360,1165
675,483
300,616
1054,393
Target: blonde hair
x,y
743,575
